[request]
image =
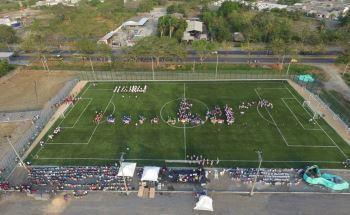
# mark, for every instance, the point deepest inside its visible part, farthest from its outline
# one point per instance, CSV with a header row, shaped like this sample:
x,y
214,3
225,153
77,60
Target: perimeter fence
x,y
9,161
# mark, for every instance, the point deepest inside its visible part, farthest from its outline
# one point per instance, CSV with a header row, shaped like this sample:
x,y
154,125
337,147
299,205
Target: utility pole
x,y
36,92
217,64
152,69
259,152
194,64
121,159
346,69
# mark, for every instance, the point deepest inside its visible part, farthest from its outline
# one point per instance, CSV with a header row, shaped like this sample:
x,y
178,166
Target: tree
x,y
203,48
7,35
5,67
279,48
158,48
169,25
344,58
227,7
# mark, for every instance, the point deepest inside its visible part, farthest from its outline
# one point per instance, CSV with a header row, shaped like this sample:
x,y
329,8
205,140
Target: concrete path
x,y
178,204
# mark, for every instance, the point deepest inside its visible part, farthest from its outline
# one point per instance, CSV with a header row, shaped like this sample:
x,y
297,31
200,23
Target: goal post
x,y
308,107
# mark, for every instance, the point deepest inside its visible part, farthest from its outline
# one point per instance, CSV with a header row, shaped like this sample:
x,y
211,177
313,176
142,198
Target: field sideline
x,y
284,132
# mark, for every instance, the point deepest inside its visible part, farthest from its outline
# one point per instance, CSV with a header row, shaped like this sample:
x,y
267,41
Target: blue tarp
x,y
306,78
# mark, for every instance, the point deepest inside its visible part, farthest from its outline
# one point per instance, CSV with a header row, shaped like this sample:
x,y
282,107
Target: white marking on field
x,y
278,129
311,129
185,144
77,120
280,132
321,128
92,134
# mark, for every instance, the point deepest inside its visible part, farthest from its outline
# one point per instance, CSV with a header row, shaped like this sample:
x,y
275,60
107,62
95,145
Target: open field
x,y
283,132
18,91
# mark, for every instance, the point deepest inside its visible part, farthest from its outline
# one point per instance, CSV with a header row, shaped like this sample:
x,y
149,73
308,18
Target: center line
x,y
185,125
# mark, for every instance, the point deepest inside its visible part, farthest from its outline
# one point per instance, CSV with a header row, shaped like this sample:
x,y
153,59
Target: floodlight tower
x,y
121,160
259,152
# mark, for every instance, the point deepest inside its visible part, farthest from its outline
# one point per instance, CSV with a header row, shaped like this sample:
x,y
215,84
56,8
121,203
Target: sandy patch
x,y
18,91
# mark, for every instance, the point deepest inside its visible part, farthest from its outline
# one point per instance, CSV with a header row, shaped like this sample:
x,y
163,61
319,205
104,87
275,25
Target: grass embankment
x,y
225,68
337,103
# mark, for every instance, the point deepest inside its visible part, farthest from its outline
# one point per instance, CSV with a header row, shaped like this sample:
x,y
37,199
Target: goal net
x,y
313,113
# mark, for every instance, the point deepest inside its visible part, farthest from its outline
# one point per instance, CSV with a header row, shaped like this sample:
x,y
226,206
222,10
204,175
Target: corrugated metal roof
x,y
194,26
6,54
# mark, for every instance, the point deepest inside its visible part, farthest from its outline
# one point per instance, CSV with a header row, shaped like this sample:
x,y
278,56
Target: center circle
x,y
170,108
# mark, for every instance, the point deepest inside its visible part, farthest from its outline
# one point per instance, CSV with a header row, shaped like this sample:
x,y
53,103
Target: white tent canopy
x,y
127,169
150,173
205,203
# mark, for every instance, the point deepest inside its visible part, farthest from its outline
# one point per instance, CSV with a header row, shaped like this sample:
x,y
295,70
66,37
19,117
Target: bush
x,y
5,67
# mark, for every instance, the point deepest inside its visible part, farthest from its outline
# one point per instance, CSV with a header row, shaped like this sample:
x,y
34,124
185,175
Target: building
x,y
56,2
6,56
9,22
129,32
194,31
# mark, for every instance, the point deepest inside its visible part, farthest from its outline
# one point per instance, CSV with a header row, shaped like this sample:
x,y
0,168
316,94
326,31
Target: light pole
x,y
217,64
121,160
152,69
19,157
259,152
346,69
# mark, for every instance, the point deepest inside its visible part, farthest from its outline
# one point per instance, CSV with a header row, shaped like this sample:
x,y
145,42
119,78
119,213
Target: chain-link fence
x,y
9,160
179,76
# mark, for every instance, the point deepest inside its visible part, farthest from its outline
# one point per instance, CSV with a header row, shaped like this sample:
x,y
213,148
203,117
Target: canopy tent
x,y
127,169
205,203
150,173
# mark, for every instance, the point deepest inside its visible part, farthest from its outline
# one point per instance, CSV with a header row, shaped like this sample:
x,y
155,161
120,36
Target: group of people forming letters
x,y
130,89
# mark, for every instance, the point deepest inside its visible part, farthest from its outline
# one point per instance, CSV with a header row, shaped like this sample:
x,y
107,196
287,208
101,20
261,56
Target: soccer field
x,y
283,132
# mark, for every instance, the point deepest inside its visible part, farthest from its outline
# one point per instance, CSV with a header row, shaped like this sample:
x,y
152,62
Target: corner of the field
x,y
80,85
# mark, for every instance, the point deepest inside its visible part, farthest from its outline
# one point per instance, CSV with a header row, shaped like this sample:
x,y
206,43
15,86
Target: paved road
x,y
180,204
25,59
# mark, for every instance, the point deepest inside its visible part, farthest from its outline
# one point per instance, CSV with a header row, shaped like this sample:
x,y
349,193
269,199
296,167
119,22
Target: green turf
x,y
294,142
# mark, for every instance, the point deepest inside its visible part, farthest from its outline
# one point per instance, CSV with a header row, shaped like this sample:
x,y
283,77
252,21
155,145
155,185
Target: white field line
x,y
185,144
257,109
322,128
278,129
77,120
92,134
85,90
310,129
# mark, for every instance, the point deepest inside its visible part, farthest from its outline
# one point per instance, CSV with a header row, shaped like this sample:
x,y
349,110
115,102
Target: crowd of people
x,y
70,99
265,103
126,120
79,178
202,161
130,89
184,175
98,116
229,115
184,113
266,176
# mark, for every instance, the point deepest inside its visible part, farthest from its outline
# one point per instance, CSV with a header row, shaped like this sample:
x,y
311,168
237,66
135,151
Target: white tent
x,y
205,203
150,173
127,169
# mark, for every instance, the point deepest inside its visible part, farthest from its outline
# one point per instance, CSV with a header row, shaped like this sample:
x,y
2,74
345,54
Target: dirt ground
x,y
13,129
18,89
